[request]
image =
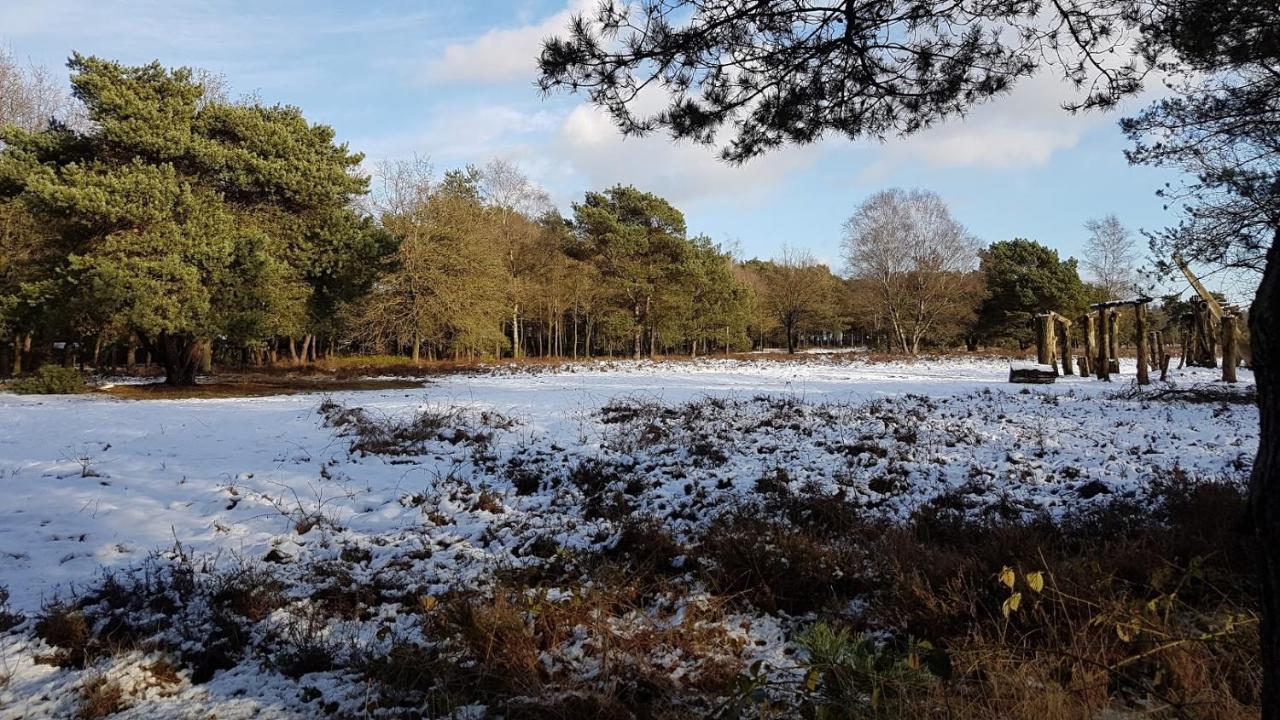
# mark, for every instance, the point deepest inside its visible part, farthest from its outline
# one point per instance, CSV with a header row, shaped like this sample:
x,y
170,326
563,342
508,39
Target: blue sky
x,y
454,81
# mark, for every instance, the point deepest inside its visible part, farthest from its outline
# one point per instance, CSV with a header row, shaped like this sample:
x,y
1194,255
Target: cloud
x,y
1023,129
500,55
462,133
682,172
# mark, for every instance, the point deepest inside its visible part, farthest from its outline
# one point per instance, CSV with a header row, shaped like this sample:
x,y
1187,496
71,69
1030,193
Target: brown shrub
x,y
99,698
776,566
65,627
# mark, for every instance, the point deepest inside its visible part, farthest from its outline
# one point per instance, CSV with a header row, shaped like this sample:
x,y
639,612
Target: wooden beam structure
x,y
1140,329
1230,357
1102,367
1199,287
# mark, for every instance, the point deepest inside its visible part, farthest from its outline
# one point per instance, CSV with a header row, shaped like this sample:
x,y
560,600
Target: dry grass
x,y
99,698
253,385
1123,609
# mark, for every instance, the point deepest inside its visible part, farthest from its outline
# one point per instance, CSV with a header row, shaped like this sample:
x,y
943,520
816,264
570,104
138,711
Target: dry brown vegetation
x,y
1120,608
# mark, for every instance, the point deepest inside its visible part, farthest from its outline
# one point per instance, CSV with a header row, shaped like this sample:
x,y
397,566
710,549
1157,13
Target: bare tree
x,y
1110,257
29,97
918,259
505,186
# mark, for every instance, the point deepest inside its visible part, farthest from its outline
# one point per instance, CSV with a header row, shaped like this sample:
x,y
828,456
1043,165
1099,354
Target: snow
x,y
94,483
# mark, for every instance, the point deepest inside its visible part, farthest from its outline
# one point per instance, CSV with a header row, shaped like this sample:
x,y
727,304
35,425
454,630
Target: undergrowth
x,y
1122,607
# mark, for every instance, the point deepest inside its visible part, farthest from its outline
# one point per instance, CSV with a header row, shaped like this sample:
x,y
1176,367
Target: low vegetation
x,y
784,600
50,380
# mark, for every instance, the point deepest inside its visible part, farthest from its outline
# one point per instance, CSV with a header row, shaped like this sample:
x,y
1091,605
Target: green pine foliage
x,y
1024,278
186,218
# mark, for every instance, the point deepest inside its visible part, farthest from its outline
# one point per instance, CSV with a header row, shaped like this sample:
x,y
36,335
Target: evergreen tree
x,y
189,219
1023,279
637,242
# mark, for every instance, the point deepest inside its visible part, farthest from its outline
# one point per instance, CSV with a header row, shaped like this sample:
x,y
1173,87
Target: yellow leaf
x,y
811,679
1036,581
428,602
1123,633
1008,577
1011,605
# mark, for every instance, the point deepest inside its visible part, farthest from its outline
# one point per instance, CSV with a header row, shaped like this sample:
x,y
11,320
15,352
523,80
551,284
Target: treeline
x,y
155,219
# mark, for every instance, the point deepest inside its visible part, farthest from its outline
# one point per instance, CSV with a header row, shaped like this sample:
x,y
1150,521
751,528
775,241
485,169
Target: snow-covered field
x,y
92,483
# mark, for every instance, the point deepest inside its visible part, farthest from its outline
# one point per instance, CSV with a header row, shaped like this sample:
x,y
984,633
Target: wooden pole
x,y
1103,369
1113,335
1089,357
1229,356
1064,344
1140,329
1164,358
1044,339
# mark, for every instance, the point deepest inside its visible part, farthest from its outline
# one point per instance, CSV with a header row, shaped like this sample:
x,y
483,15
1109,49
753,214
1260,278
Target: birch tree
x,y
1110,257
918,259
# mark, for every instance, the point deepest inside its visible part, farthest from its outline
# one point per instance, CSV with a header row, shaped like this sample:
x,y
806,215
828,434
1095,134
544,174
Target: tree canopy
x,y
1024,279
187,218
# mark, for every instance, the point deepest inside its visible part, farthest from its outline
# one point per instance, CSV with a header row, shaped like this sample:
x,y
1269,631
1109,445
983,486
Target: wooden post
x,y
1140,330
1113,334
1064,344
1229,356
1044,339
1103,369
1089,357
1164,358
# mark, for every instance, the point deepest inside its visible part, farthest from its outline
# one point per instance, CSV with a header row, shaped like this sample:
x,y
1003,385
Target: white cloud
x,y
1022,129
501,54
682,172
458,134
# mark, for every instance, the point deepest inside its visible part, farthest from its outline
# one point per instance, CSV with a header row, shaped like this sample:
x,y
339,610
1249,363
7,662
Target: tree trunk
x,y
1229,357
648,316
20,344
1264,485
639,331
1044,339
179,354
1113,335
1103,367
515,330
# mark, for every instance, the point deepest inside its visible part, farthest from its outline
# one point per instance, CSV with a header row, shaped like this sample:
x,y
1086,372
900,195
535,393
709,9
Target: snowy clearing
x,y
489,467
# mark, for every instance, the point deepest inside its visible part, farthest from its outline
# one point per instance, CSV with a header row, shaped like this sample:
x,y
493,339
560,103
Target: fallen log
x,y
1033,373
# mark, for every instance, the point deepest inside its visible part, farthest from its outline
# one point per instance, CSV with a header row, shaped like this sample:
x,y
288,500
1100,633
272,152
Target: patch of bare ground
x,y
253,386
